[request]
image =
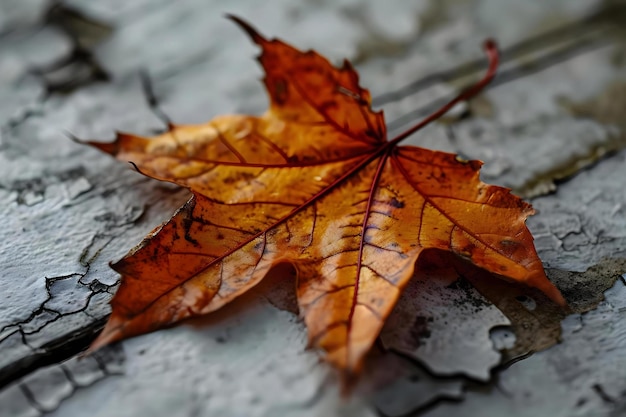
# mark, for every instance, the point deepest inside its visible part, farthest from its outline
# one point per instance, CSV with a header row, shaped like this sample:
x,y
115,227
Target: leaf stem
x,y
491,49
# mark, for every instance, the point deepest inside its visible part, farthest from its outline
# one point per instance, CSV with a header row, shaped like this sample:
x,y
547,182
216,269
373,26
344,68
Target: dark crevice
x,y
598,389
80,67
598,154
75,385
24,342
31,398
510,362
570,33
441,397
41,308
64,346
152,99
505,76
53,352
95,286
31,191
15,122
101,364
423,367
571,168
70,378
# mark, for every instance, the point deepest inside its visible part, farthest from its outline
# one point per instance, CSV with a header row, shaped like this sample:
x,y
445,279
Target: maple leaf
x,y
315,183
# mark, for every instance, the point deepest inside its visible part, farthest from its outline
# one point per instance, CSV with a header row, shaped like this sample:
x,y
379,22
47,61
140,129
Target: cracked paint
x,y
436,310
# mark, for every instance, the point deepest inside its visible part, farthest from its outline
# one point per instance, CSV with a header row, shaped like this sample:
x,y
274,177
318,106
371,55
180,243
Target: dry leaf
x,y
314,182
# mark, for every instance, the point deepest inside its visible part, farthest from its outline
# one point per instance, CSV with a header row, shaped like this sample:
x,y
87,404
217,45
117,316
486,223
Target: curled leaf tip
x,y
73,137
136,168
112,148
107,147
490,44
251,31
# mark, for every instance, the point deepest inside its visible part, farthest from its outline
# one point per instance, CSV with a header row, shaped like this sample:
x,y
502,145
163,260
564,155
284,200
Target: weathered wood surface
x,y
552,127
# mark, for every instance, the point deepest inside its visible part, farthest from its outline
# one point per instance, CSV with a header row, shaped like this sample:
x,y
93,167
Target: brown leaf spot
x,y
396,203
280,91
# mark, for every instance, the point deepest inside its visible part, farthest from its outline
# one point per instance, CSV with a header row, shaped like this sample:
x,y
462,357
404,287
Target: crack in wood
x,y
569,34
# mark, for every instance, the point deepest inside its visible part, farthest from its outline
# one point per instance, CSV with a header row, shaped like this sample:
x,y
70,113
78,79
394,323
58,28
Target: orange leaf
x,y
315,183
